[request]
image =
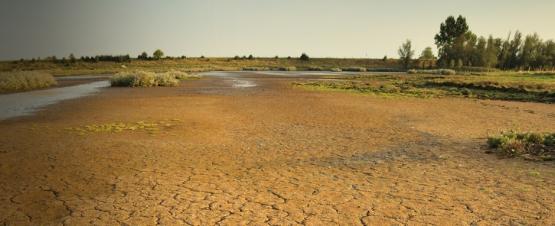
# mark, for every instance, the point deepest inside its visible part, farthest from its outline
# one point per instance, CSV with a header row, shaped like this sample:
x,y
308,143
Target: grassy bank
x,y
516,86
201,64
24,80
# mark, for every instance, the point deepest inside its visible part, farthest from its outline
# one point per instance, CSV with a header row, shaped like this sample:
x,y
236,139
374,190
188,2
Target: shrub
x,y
181,75
534,146
25,80
143,79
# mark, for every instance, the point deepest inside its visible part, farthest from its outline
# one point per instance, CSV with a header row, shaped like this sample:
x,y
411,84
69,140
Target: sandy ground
x,y
272,154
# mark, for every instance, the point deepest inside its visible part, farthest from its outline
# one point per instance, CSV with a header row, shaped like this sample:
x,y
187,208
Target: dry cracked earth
x,y
271,154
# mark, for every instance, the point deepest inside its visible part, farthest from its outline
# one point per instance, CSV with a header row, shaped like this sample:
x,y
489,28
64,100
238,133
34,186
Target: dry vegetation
x,y
532,146
24,80
149,79
199,64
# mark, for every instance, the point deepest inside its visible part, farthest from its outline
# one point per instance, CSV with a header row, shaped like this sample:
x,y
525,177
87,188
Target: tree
x,y
492,52
530,53
426,58
427,54
251,57
72,58
143,56
406,53
158,54
451,33
304,57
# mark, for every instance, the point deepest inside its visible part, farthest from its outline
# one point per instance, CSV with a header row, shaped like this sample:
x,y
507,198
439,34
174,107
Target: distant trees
x,y
158,54
406,53
304,57
427,58
459,47
143,56
251,57
72,58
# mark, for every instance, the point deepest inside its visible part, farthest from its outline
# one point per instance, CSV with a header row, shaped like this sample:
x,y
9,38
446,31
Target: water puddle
x,y
243,83
20,104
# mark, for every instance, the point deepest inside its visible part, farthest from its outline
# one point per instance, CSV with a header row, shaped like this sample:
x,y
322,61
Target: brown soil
x,y
272,154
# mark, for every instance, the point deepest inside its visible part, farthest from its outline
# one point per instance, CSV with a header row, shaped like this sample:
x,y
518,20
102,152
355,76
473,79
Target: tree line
x,y
459,47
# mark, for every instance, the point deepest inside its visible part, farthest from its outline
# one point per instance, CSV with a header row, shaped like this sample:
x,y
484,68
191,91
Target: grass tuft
x,y
25,80
145,79
533,146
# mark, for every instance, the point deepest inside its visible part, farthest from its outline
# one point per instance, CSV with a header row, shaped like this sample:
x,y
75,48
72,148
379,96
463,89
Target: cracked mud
x,y
272,155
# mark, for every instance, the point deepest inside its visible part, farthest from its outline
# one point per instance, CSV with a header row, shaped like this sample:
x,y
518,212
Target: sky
x,y
266,28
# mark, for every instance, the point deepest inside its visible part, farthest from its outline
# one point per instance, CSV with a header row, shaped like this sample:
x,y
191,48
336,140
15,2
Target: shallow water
x,y
243,83
20,104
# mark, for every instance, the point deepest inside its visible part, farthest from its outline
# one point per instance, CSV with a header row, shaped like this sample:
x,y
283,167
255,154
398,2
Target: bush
x,y
181,75
143,79
25,80
534,146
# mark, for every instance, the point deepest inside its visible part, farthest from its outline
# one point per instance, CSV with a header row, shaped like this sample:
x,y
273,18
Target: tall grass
x,y
144,79
25,80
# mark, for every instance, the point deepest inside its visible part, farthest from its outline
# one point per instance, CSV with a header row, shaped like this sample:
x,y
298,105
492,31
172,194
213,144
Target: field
x,y
197,64
282,150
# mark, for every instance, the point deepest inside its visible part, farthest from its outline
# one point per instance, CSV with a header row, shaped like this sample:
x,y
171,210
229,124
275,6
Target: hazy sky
x,y
321,28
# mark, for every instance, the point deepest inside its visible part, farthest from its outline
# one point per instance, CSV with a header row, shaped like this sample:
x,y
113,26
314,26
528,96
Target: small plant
x,y
25,80
533,146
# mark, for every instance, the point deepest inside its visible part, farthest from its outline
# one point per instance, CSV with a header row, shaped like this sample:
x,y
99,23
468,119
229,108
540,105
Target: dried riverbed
x,y
249,148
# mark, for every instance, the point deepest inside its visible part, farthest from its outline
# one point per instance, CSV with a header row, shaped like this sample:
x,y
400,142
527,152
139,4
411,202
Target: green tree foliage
x,y
143,56
72,58
158,54
304,57
427,58
427,54
406,53
459,47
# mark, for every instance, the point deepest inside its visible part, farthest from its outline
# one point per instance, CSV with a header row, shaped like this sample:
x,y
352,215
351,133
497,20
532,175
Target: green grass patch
x,y
533,146
25,80
519,87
